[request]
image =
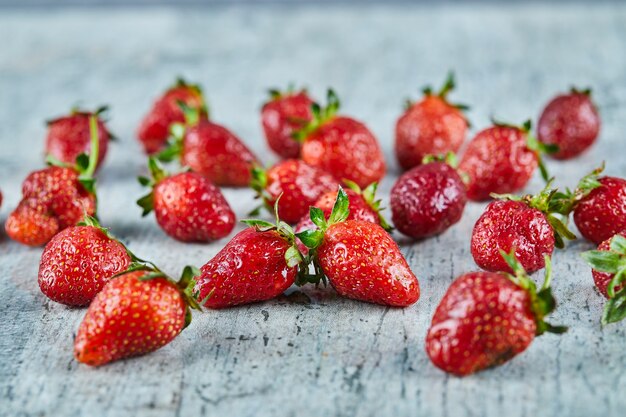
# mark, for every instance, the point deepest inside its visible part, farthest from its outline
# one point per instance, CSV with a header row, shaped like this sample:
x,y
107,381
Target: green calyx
x,y
174,147
320,116
564,202
340,212
196,89
276,94
448,86
369,196
157,174
613,262
259,183
542,302
585,91
449,158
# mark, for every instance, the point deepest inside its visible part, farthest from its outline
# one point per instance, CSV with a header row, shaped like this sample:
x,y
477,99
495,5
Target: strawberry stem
x,y
321,115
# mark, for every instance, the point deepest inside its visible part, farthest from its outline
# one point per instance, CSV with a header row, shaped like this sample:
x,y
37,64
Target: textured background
x,y
308,353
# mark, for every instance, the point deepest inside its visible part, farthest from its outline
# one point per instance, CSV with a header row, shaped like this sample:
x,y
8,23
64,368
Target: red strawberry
x,y
428,199
341,146
69,136
501,159
487,318
359,258
283,115
188,207
134,314
432,126
571,122
210,150
299,184
154,129
608,265
79,261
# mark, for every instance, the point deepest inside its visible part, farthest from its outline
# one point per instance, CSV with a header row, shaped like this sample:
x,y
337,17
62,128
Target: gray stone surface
x,y
309,353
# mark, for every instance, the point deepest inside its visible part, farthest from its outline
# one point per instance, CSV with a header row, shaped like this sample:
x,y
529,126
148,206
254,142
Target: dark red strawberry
x,y
299,184
487,318
571,122
501,159
608,265
341,145
188,207
432,126
136,313
284,114
154,129
359,258
428,199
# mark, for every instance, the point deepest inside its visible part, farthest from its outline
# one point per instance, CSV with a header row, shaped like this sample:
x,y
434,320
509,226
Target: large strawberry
x,y
209,149
359,258
299,184
154,129
428,199
341,145
432,126
188,207
136,313
502,159
69,136
284,114
486,318
55,198
571,122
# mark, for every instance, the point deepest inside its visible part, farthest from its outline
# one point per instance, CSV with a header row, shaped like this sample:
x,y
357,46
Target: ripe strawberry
x,y
55,198
284,114
136,313
188,207
432,126
69,136
341,145
299,184
154,129
571,122
359,258
608,265
502,159
428,199
487,318
79,261
210,150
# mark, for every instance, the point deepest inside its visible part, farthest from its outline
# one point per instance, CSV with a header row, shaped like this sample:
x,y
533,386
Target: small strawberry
x,y
209,149
284,114
55,198
154,129
341,145
486,318
432,126
136,313
502,159
69,136
299,184
359,258
428,199
608,265
571,122
188,207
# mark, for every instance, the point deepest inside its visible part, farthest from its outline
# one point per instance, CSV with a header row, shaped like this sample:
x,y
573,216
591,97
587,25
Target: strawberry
x,y
79,261
284,114
428,199
432,126
571,122
502,159
188,207
55,198
154,129
136,313
69,136
530,226
341,145
209,149
608,265
486,318
359,258
258,264
299,184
